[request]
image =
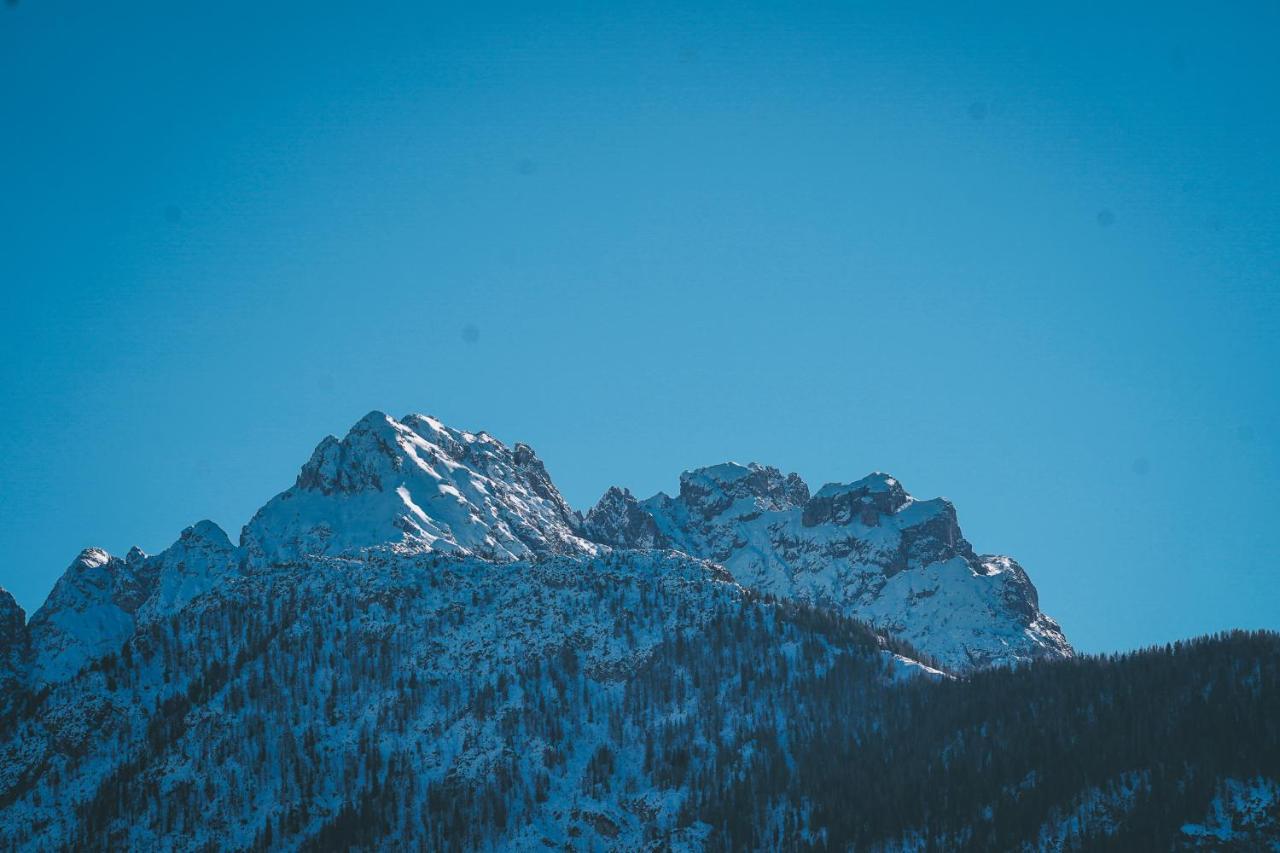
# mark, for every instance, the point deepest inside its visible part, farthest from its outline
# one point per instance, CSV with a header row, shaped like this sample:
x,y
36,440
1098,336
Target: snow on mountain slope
x,y
421,646
421,486
526,702
100,599
414,484
866,548
201,558
89,613
1244,815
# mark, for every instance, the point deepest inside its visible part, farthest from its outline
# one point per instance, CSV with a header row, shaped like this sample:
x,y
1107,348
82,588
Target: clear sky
x,y
1024,259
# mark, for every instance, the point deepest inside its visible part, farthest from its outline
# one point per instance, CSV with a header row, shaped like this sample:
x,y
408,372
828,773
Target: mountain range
x,y
421,644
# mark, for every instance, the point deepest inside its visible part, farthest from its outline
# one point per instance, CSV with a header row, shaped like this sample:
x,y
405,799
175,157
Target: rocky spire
x,y
866,548
618,520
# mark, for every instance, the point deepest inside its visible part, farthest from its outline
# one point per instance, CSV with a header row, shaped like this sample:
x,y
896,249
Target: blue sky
x,y
1024,259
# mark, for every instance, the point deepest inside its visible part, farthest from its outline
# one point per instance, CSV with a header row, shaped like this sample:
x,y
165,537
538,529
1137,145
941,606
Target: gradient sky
x,y
1023,259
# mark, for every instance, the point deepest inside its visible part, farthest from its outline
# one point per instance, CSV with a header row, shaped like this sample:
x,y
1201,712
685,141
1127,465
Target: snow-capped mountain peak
x,y
198,561
866,548
101,599
418,485
89,613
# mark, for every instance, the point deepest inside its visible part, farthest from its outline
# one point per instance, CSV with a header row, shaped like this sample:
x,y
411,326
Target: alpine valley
x,y
421,645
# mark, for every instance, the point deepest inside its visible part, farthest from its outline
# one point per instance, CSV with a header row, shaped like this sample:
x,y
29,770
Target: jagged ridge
x,y
866,548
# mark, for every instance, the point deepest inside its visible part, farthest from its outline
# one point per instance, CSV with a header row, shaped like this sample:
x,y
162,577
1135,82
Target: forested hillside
x,y
625,702
1094,753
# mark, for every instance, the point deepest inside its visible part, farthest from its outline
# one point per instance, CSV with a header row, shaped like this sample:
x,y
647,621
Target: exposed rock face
x,y
708,492
864,500
420,486
13,625
866,548
618,520
13,648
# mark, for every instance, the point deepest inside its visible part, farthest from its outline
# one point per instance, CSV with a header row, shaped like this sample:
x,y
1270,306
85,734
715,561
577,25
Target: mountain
x,y
420,645
90,612
100,600
415,486
867,549
13,650
420,486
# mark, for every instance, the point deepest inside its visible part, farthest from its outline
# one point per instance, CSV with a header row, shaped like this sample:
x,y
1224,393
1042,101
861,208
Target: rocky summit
x,y
866,548
420,486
